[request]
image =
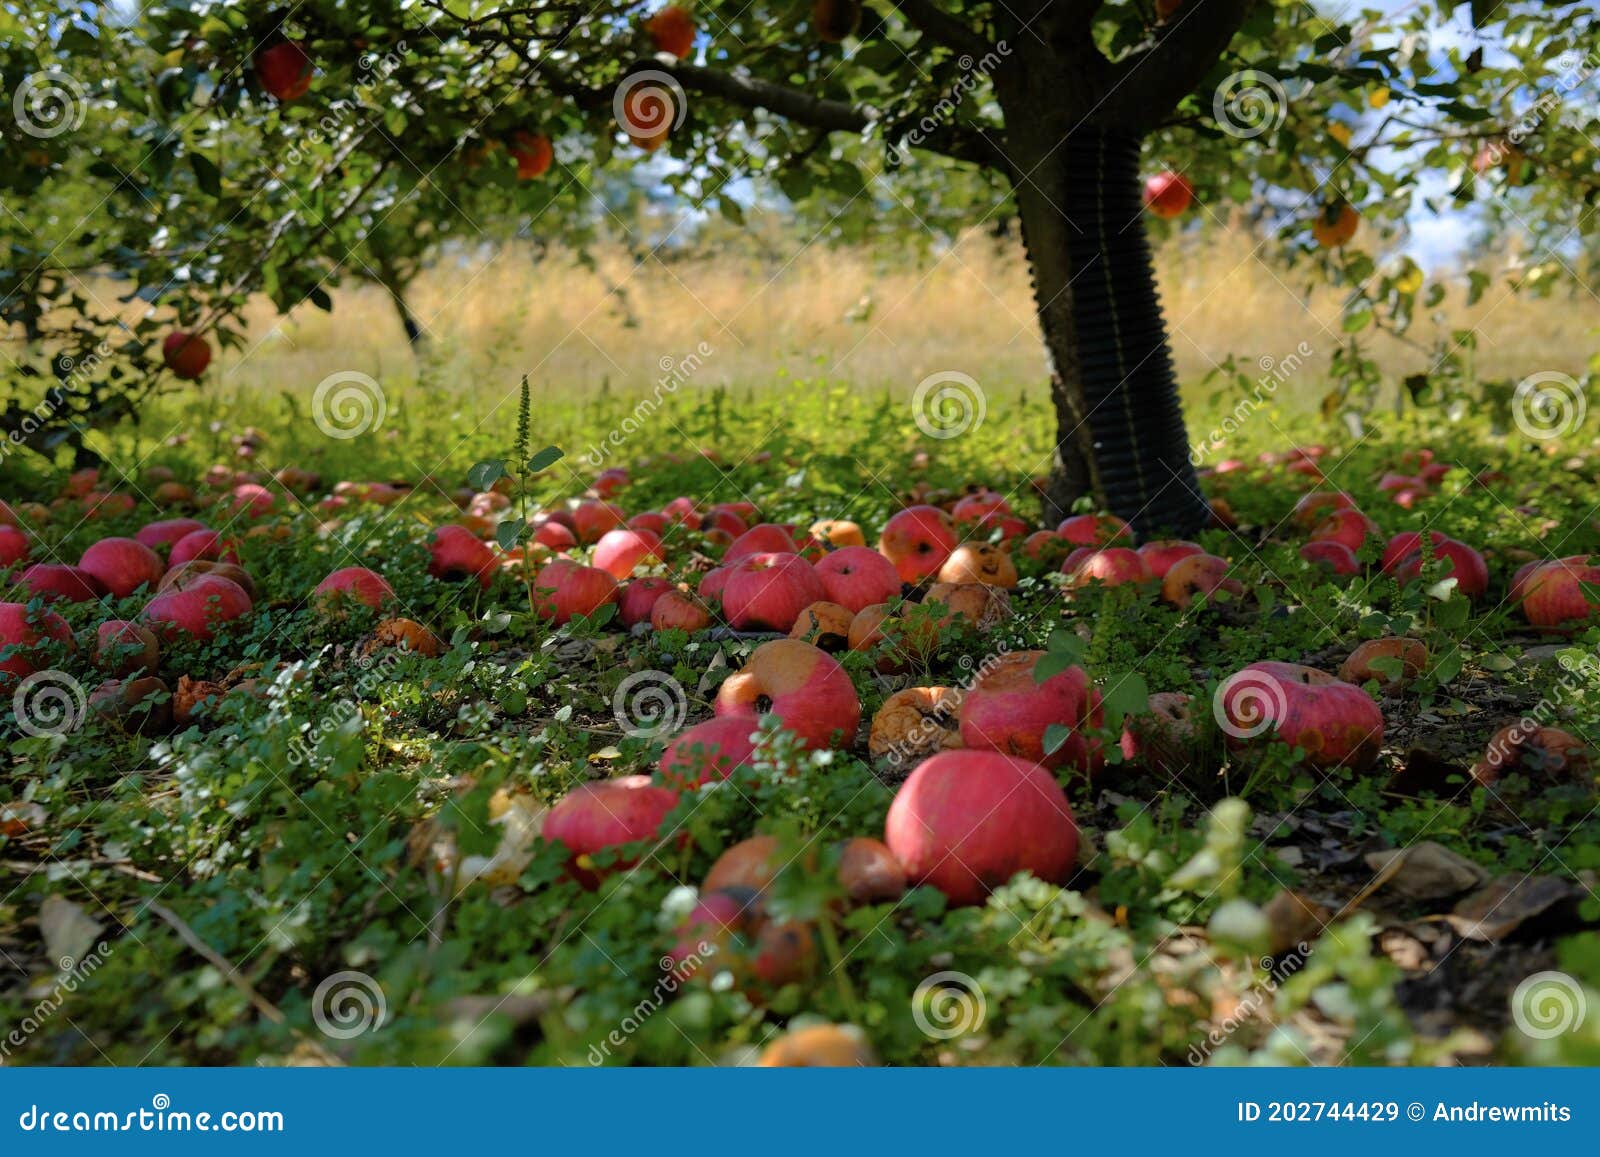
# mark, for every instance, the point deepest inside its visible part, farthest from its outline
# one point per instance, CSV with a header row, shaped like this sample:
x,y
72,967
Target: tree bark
x,y
1120,433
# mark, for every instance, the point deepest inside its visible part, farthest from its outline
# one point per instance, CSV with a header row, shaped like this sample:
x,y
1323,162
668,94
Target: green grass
x,y
292,868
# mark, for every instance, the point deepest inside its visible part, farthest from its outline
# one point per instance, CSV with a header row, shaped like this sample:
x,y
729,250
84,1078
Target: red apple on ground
x,y
1009,710
1318,505
966,822
23,634
1543,754
459,555
1111,567
52,581
122,565
857,576
802,685
620,551
1348,527
1403,544
551,533
768,591
14,547
197,608
1465,565
707,751
356,583
1093,529
607,814
1335,723
638,597
569,590
1198,574
167,531
680,611
1160,555
201,544
1553,596
592,519
917,540
976,507
765,538
1335,556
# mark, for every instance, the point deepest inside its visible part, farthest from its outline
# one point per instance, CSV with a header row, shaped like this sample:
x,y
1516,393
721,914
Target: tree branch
x,y
1148,85
942,27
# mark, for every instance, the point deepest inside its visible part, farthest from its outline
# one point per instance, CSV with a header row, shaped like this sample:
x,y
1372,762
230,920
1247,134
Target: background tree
x,y
208,189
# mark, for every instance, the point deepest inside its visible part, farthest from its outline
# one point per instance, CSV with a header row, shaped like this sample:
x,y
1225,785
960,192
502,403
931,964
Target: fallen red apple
x,y
917,540
592,519
857,577
680,611
607,814
167,531
638,597
1160,555
14,547
53,580
356,583
1111,567
1093,529
24,634
620,551
569,590
122,565
456,555
1553,597
707,751
764,538
979,562
1403,544
1010,711
1198,574
1544,754
124,649
1466,566
1348,526
1334,723
768,591
1335,556
201,544
1318,505
966,822
197,608
802,685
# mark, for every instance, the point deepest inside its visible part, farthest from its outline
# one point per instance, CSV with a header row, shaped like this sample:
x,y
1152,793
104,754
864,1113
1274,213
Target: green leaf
x,y
544,459
1357,320
1054,736
510,533
482,475
1126,694
206,174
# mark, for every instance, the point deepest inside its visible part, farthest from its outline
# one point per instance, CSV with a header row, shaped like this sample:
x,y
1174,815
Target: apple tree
x,y
253,148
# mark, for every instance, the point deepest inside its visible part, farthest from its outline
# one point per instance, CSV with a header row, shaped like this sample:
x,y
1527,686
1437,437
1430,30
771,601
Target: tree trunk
x,y
1120,431
391,280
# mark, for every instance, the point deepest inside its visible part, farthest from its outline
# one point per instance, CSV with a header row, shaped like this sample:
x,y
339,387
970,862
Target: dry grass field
x,y
874,320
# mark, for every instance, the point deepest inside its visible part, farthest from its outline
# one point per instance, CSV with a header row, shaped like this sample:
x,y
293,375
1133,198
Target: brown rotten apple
x,y
802,685
1542,753
966,822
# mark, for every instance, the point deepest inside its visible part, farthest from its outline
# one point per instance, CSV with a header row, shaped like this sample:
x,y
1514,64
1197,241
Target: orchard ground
x,y
338,860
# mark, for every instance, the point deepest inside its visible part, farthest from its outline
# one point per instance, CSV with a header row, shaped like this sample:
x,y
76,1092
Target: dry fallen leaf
x,y
1426,871
68,931
1506,903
